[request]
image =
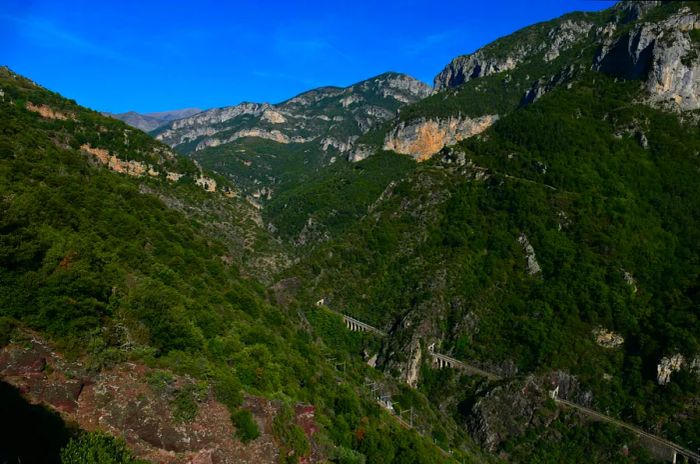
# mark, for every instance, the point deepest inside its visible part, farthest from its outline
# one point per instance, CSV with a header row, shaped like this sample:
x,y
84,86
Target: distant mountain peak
x,y
151,121
314,115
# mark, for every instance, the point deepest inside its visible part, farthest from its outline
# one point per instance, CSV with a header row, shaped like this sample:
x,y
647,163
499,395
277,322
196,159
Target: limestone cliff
x,y
664,54
423,138
544,41
627,41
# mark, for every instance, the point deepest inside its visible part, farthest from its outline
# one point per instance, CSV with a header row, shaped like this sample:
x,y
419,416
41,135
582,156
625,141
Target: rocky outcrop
x,y
694,366
509,410
534,42
274,135
360,152
664,54
273,116
140,169
341,146
208,184
116,164
47,112
632,10
173,176
138,403
564,35
188,129
607,338
668,366
532,266
423,138
37,372
403,88
413,366
479,64
544,85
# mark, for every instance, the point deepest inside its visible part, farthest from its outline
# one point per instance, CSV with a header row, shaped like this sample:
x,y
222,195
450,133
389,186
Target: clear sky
x,y
160,55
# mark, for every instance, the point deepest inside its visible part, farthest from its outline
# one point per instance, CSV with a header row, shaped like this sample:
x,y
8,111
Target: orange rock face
x,y
139,169
422,139
132,168
47,112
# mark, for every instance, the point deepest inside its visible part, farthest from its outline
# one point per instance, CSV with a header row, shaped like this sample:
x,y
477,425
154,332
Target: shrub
x,y
96,448
246,427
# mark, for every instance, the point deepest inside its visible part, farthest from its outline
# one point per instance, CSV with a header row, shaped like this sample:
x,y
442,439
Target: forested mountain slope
x,y
558,247
537,216
127,305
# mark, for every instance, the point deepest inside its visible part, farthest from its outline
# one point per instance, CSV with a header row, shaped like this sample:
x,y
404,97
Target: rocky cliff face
x,y
661,51
510,409
664,54
465,68
546,41
332,118
423,138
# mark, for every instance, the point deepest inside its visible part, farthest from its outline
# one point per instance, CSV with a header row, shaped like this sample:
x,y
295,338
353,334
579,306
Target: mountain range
x,y
502,267
151,121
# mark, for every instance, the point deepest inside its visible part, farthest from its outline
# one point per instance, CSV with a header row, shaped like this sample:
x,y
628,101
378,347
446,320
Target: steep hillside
x,y
151,121
266,148
557,248
564,239
523,243
127,307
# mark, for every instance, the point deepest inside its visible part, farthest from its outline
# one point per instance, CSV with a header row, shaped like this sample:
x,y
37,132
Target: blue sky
x,y
157,55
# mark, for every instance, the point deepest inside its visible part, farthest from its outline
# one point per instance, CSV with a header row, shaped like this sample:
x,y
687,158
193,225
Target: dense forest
x,y
557,250
571,174
111,275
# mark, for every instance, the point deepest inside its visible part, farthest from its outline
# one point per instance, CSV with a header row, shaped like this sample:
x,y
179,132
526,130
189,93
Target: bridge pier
x,y
441,362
